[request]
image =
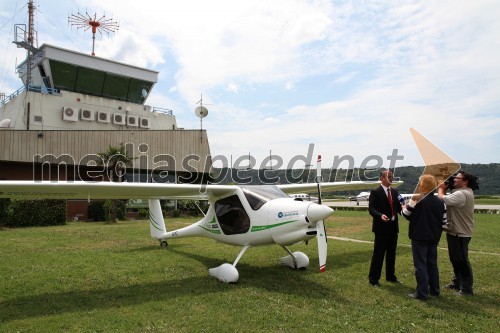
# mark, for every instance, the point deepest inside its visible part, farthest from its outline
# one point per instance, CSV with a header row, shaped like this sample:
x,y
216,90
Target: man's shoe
x,y
452,286
395,281
375,284
414,295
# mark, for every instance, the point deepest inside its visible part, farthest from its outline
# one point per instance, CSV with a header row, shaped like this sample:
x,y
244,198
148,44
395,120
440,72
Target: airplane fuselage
x,y
240,219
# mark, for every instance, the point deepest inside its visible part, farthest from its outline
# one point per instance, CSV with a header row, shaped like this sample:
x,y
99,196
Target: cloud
x,y
233,87
130,48
222,42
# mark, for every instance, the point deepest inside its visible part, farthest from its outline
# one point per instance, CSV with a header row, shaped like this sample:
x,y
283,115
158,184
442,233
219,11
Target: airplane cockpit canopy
x,y
231,214
258,195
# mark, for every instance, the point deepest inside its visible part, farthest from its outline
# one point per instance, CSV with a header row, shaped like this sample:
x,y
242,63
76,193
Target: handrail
x,y
42,90
53,91
162,110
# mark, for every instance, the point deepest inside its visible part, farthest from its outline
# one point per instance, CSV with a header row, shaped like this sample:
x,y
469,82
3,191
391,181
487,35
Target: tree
x,y
115,161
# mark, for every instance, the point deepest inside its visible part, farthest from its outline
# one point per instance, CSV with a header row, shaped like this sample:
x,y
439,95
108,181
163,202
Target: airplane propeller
x,y
320,225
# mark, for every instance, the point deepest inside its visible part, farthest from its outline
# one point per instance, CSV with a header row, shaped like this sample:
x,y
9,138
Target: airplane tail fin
x,y
156,222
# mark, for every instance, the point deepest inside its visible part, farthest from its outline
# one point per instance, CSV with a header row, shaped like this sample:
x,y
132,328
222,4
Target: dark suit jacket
x,y
427,219
378,204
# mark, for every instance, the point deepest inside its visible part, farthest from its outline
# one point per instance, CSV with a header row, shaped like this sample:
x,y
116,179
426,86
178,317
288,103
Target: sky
x,y
350,77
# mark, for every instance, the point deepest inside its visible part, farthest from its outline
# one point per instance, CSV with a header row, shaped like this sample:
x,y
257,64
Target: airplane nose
x,y
317,212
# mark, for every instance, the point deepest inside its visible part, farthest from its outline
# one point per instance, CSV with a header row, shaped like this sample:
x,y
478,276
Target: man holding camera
x,y
460,209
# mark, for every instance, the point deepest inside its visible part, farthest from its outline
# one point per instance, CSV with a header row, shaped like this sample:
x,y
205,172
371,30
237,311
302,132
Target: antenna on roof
x,y
86,21
27,38
201,112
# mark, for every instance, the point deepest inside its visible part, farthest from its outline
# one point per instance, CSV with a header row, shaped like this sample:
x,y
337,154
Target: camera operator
x,y
460,209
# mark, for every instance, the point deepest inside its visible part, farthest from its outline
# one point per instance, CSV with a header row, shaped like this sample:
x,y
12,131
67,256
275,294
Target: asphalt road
x,y
365,204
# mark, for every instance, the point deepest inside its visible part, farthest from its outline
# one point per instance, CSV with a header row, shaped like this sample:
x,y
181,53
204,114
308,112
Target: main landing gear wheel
x,y
163,243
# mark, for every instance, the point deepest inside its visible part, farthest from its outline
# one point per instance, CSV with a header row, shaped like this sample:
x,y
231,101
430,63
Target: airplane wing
x,y
109,190
332,186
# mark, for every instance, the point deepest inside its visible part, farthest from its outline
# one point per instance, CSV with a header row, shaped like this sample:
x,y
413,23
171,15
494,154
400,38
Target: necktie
x,y
389,196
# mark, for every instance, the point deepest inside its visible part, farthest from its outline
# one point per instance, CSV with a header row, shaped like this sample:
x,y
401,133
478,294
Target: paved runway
x,y
365,204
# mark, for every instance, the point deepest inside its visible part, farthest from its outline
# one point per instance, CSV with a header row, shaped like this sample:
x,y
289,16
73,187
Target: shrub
x,y
36,212
95,211
143,214
192,207
109,211
4,207
121,208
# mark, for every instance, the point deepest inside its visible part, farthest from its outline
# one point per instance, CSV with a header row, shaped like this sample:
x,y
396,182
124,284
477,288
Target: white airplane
x,y
405,197
363,196
245,216
304,197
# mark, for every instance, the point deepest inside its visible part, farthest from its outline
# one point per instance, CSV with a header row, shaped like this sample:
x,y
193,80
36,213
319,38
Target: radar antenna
x,y
201,112
86,21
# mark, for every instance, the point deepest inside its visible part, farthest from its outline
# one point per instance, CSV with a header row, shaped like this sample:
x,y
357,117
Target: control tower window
x,y
64,75
99,83
135,92
116,87
89,81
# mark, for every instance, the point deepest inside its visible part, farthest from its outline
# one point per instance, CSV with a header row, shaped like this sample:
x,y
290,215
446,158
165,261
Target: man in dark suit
x,y
384,207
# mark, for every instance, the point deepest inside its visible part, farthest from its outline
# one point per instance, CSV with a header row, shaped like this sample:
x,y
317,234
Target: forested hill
x,y
489,176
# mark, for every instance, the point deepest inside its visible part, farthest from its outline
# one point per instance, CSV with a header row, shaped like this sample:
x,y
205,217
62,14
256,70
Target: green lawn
x,y
487,201
95,277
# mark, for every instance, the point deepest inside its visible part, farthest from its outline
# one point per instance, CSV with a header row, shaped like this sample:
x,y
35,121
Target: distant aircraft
x,y
363,196
405,198
304,197
245,216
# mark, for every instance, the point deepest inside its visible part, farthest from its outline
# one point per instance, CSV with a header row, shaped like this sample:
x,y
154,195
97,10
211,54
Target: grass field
x,y
95,277
487,201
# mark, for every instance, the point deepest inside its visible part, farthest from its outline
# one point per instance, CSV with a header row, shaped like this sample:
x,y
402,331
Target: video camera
x,y
450,182
472,181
